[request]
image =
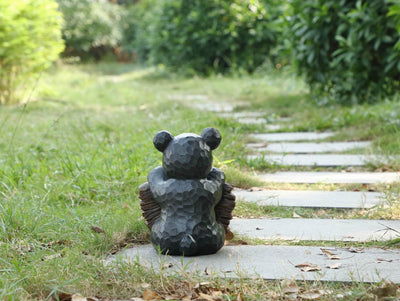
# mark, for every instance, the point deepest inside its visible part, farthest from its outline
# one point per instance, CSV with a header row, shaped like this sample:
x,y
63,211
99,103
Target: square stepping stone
x,y
310,147
310,198
274,262
329,160
291,136
331,177
316,229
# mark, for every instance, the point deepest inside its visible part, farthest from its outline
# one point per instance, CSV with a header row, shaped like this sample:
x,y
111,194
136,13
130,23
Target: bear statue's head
x,y
187,156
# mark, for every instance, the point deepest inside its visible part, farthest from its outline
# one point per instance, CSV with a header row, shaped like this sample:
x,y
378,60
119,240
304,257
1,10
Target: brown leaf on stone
x,y
356,250
330,255
311,295
379,260
308,267
334,266
149,295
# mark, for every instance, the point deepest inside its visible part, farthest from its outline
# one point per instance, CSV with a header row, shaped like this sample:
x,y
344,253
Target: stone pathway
x,y
317,160
331,177
296,136
278,262
297,262
310,198
306,148
316,229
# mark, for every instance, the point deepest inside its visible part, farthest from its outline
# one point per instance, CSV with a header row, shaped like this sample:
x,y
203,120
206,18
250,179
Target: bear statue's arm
x,y
159,183
225,206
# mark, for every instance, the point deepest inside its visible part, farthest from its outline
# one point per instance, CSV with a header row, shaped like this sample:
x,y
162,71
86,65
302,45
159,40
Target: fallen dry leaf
x,y
236,243
330,255
379,260
291,289
312,295
149,295
388,290
207,297
308,267
334,266
78,297
356,250
229,235
97,229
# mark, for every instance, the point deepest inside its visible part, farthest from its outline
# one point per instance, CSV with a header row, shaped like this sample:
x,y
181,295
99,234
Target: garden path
x,y
261,251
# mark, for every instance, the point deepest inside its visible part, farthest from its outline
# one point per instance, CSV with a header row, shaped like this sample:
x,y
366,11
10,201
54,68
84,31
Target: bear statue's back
x,y
187,223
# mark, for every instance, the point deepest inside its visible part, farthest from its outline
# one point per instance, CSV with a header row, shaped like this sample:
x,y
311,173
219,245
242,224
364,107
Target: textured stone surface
x,y
316,229
186,203
317,160
331,177
310,198
295,136
241,114
303,148
251,120
277,262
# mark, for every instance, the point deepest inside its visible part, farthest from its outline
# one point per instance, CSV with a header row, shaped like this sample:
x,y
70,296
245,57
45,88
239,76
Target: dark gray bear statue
x,y
186,203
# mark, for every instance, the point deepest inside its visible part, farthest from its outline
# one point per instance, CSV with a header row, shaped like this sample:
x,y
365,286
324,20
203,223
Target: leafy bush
x,y
91,27
206,35
345,49
30,40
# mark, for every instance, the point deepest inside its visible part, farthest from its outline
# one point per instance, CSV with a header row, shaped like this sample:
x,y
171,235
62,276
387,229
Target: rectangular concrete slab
x,y
309,198
316,229
329,160
331,177
294,136
310,147
244,114
274,262
251,120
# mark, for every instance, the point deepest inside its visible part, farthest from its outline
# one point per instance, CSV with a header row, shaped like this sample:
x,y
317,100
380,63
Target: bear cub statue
x,y
186,203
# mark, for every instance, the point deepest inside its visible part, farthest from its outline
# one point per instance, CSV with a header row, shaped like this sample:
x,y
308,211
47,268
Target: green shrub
x,y
346,49
206,35
91,28
30,40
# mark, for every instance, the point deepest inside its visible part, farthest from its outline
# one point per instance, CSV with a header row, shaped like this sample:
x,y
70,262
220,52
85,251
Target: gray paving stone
x,y
331,177
251,120
213,106
274,262
244,114
310,147
309,198
317,160
295,136
316,229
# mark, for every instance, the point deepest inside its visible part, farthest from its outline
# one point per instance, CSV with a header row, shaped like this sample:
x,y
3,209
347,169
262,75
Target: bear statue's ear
x,y
162,139
212,137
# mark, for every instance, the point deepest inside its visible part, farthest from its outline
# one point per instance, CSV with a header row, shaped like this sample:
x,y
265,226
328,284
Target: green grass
x,y
72,157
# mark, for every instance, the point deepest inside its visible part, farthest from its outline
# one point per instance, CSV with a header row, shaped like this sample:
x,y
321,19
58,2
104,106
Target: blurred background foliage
x,y
347,51
30,40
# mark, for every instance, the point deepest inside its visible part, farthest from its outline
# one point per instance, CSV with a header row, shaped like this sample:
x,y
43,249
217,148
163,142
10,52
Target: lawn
x,y
73,155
